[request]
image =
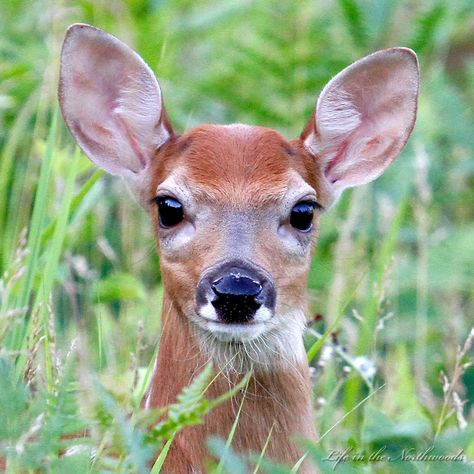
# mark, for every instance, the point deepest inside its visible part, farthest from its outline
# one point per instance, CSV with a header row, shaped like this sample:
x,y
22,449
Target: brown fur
x,y
278,402
250,168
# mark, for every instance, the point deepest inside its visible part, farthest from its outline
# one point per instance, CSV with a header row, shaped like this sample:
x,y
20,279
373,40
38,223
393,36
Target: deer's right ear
x,y
111,102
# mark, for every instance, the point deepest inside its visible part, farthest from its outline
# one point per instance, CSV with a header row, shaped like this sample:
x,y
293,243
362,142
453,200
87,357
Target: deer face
x,y
235,208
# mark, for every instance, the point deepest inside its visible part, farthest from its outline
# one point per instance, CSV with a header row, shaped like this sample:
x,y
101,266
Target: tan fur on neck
x,y
277,401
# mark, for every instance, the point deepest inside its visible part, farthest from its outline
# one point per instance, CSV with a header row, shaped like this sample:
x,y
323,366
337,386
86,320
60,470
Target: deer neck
x,y
276,405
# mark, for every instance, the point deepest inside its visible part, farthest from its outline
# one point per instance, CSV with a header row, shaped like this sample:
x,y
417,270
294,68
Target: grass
x,y
392,275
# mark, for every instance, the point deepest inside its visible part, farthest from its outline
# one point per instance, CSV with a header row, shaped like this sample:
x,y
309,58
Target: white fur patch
x,y
208,312
274,344
263,314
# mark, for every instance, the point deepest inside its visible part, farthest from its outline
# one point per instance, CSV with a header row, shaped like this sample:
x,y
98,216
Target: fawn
x,y
235,210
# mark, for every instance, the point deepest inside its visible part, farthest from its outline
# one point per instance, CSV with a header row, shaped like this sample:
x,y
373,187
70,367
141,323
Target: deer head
x,y
235,208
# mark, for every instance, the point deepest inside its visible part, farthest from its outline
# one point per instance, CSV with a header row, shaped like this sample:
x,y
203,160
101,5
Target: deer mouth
x,y
236,330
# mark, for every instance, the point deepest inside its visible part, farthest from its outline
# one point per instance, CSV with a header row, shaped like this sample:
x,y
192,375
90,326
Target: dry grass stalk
x,y
35,340
451,401
135,356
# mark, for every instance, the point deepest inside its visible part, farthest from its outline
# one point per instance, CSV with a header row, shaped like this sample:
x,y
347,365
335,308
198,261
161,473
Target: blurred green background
x,y
393,273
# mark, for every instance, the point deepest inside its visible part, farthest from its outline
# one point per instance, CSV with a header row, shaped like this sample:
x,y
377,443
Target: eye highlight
x,y
301,217
170,211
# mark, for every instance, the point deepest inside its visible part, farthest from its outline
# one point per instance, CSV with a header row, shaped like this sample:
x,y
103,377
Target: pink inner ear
x,y
360,159
111,101
364,117
121,125
80,80
328,171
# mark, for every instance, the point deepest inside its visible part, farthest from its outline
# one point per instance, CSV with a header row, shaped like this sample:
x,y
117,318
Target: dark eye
x,y
301,217
170,211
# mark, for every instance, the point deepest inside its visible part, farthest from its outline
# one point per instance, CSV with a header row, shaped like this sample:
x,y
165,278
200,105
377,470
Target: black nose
x,y
236,298
237,285
236,289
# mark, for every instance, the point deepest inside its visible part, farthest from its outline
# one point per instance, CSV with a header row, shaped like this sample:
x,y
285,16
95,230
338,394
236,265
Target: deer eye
x,y
301,216
170,211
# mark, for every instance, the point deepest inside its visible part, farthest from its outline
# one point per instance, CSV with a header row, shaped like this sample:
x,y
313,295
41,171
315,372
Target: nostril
x,y
235,285
237,298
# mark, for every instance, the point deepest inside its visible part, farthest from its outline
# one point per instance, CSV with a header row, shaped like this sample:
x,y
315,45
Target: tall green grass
x,y
392,274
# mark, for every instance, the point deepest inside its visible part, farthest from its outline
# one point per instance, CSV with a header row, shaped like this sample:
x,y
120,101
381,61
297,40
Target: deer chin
x,y
262,346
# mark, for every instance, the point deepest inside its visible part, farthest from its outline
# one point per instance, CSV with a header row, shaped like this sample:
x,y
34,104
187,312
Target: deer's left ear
x,y
364,117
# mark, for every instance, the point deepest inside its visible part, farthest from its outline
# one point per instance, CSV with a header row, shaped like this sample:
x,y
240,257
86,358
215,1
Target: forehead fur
x,y
235,162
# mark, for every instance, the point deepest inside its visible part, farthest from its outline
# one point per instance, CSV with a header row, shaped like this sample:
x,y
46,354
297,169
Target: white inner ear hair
x,y
336,118
139,105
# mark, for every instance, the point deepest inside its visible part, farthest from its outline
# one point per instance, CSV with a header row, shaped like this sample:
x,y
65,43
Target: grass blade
x,y
222,461
161,458
34,236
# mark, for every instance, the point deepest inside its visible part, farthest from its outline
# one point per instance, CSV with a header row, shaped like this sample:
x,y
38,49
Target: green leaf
x,y
379,428
119,286
231,462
